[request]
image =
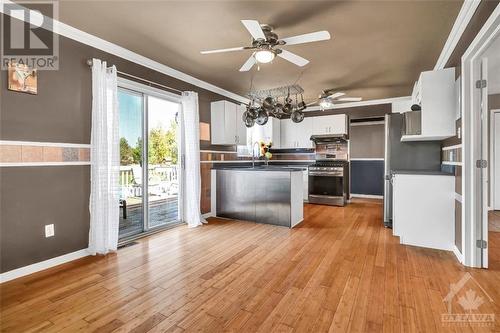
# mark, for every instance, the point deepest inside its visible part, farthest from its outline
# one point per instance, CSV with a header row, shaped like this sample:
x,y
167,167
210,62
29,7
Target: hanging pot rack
x,y
277,102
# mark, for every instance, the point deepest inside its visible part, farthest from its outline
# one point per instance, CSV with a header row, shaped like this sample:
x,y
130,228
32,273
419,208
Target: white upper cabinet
x,y
333,124
269,132
227,127
296,135
435,92
241,129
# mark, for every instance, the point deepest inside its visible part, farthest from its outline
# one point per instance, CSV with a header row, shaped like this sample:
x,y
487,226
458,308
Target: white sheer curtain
x,y
191,138
105,160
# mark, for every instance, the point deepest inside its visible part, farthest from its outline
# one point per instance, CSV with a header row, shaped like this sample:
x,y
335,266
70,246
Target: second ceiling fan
x,y
265,45
328,98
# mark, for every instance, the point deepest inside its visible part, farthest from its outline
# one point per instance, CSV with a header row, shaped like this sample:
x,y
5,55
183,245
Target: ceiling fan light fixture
x,y
326,103
264,56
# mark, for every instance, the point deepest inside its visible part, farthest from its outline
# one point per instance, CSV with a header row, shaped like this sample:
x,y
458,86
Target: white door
x,y
296,135
230,122
483,171
241,129
286,135
495,133
338,124
217,123
320,125
303,132
332,124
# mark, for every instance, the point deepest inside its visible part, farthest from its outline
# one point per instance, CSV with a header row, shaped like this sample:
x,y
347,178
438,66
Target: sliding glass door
x,y
149,160
163,162
131,108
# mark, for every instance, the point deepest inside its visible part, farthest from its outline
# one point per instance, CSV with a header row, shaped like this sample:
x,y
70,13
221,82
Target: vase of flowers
x,y
264,151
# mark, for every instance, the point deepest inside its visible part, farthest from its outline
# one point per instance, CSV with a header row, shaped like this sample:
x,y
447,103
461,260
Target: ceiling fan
x,y
328,98
265,45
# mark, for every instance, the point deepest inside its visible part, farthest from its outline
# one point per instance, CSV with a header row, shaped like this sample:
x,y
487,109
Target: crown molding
x,y
464,16
68,31
362,103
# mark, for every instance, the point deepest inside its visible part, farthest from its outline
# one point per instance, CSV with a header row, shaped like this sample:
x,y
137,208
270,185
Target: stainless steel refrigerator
x,y
411,156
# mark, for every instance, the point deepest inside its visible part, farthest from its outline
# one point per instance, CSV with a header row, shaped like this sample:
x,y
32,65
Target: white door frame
x,y
471,125
494,174
175,98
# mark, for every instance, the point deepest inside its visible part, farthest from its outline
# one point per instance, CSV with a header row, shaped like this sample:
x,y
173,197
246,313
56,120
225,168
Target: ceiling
x,y
377,50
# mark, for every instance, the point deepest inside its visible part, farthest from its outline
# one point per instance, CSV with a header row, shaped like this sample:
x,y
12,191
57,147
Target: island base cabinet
x,y
270,197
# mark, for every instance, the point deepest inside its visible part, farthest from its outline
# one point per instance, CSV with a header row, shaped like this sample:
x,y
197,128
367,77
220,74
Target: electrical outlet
x,y
49,230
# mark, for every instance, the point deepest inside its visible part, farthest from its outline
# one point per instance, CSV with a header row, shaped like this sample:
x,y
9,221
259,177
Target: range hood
x,y
326,138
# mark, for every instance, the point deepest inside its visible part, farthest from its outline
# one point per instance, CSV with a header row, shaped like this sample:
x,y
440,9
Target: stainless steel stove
x,y
329,175
328,182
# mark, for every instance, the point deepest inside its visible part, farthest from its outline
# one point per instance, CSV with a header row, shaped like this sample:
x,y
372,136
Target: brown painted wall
x,y
61,112
33,197
356,112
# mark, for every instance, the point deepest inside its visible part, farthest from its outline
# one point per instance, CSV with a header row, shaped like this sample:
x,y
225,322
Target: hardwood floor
x,y
339,271
494,220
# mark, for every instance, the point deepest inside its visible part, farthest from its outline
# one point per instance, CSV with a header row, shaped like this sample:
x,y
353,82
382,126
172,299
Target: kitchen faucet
x,y
253,153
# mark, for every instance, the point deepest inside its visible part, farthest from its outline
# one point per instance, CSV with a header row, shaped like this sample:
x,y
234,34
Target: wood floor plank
x,y
340,270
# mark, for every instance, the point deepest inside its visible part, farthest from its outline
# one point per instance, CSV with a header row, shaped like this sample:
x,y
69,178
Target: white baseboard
x,y
458,254
367,196
207,215
40,266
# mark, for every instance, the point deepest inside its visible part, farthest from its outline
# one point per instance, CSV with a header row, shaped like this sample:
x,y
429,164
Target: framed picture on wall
x,y
22,78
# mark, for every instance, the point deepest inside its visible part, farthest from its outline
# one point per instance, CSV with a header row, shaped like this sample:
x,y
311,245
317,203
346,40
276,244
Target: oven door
x,y
327,188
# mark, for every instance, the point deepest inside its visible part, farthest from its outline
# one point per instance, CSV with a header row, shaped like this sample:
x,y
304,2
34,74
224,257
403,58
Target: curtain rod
x,y
90,62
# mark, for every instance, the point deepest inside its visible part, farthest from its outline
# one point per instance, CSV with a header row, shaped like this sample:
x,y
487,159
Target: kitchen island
x,y
262,194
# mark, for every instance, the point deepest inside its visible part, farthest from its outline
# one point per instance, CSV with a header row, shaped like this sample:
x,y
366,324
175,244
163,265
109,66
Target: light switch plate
x,y
49,230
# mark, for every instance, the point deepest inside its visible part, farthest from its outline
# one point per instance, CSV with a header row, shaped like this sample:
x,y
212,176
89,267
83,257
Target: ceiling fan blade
x,y
223,50
293,58
307,38
336,95
254,29
350,99
248,64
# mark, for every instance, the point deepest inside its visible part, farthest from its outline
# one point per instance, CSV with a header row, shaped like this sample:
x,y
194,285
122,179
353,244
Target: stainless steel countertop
x,y
263,168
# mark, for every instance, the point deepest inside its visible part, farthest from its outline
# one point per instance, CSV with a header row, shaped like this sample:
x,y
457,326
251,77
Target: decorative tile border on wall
x,y
19,153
